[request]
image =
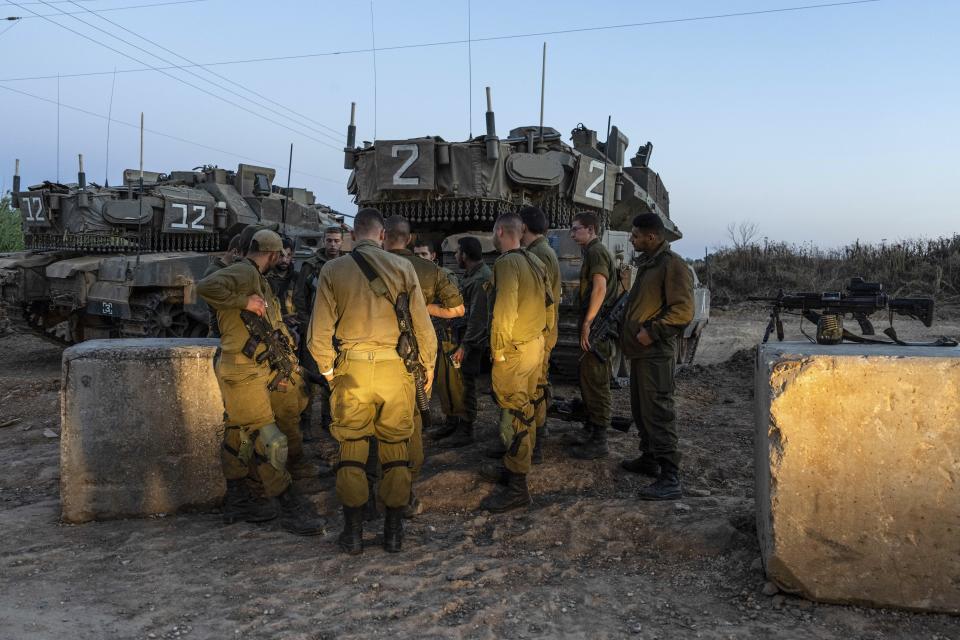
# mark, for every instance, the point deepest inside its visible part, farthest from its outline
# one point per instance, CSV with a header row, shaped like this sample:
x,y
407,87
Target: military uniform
x,y
476,336
372,394
448,383
213,328
594,374
262,427
304,290
542,249
661,301
283,285
436,287
516,345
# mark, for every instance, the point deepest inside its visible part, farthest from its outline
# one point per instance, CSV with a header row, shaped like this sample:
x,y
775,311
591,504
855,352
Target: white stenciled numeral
x,y
201,211
34,209
183,220
590,193
198,209
414,152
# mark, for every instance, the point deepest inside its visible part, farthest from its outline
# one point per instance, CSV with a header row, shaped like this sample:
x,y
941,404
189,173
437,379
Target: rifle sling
x,y
376,282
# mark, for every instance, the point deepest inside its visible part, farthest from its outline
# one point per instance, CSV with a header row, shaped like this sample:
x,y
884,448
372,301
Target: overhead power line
x,y
181,80
514,36
339,138
164,135
132,6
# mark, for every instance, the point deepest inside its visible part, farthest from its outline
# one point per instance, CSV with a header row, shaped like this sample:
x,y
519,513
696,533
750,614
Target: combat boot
x,y
393,529
643,465
494,472
239,503
595,447
462,437
447,430
297,515
496,450
512,495
666,487
578,438
350,539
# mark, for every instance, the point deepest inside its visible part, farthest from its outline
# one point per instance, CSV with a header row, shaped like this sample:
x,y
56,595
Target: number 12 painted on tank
x,y
186,217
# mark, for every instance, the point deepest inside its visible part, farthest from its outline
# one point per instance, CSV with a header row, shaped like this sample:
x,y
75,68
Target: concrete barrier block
x,y
142,425
858,473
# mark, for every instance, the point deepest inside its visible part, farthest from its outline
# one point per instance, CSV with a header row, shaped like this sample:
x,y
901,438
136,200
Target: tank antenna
x,y
606,153
469,70
140,217
351,138
106,171
16,184
543,86
287,194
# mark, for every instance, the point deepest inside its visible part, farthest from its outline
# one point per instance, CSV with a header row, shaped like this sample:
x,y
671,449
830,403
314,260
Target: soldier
x,y
371,391
534,227
282,279
303,300
443,302
659,307
424,249
472,350
598,289
516,345
228,257
255,449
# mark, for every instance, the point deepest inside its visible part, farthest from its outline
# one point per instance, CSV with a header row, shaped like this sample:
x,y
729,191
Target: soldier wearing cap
x,y
255,447
353,337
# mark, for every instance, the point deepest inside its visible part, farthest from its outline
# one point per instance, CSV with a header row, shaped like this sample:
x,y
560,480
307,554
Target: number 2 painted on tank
x,y
414,151
199,209
590,193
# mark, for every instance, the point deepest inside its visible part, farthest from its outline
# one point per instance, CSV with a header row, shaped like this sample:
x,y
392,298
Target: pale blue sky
x,y
822,125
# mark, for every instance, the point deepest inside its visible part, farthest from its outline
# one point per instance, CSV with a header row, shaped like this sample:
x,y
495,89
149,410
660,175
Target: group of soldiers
x,y
377,329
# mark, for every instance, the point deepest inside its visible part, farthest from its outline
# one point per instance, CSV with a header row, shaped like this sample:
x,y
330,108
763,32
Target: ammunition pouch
x,y
274,445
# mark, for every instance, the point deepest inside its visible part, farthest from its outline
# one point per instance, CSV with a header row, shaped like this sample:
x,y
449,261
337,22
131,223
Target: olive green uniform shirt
x,y
661,301
476,336
542,249
596,259
305,287
436,285
227,290
283,284
519,307
348,313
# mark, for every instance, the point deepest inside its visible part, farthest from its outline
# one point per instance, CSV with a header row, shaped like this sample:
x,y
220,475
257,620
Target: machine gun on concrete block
x,y
861,299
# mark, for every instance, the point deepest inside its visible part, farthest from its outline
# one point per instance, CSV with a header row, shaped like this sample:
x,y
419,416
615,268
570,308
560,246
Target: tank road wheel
x,y
158,317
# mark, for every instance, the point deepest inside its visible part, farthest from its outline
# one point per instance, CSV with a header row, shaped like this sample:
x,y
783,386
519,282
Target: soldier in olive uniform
x,y
473,348
353,338
255,449
659,307
303,295
443,302
534,227
598,290
227,258
282,279
516,345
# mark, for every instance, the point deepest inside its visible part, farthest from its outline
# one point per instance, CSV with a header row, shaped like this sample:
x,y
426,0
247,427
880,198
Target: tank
x,y
112,262
447,189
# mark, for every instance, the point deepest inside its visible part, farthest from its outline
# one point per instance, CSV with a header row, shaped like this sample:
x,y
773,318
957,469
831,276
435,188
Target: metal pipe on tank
x,y
83,199
491,139
348,157
16,184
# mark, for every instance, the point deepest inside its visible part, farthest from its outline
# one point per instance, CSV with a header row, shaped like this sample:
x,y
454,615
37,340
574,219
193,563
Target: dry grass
x,y
908,268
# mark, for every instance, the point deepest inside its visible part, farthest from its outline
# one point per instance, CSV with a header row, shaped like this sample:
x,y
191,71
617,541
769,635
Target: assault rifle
x,y
607,325
861,299
409,352
279,352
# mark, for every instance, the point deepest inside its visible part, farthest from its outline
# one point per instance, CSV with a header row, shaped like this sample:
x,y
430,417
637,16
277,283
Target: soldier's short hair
x,y
511,223
338,230
265,241
397,229
471,248
288,242
535,219
589,220
649,223
234,244
367,222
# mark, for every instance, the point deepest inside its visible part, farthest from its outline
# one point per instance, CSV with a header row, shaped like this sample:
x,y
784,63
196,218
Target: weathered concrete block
x,y
142,423
858,473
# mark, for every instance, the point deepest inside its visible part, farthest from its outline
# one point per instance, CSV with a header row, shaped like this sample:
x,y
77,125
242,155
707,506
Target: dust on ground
x,y
586,560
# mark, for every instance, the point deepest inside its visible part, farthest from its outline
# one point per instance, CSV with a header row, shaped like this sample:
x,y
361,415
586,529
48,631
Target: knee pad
x,y
274,446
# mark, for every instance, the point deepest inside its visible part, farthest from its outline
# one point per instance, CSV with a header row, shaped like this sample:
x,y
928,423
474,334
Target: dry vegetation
x,y
906,268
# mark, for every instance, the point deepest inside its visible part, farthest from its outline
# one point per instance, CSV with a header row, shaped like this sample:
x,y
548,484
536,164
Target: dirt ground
x,y
586,560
